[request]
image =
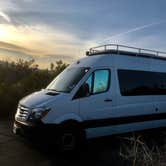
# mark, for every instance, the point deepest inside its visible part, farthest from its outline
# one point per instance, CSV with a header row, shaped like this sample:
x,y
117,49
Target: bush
x,y
18,79
144,149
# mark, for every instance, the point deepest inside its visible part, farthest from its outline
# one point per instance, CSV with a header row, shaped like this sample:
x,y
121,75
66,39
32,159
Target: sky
x,y
50,30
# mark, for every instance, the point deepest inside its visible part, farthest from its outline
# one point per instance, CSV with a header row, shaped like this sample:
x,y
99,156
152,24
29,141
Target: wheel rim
x,y
68,141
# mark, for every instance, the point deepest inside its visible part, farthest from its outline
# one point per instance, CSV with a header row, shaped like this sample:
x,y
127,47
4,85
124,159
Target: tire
x,y
70,139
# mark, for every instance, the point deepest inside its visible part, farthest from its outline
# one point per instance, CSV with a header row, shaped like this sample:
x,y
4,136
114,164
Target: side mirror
x,y
84,91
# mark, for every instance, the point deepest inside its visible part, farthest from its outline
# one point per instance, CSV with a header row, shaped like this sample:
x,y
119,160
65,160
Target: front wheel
x,y
70,139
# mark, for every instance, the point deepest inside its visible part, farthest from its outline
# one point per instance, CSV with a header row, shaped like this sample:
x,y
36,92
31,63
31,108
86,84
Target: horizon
x,y
52,30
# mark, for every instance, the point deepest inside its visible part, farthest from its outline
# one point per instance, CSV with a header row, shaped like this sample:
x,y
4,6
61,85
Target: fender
x,y
66,117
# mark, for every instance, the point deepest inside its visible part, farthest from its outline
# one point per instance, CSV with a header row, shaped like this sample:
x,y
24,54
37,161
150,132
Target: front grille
x,y
22,113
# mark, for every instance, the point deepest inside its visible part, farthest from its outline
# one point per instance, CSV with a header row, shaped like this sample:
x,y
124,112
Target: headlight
x,y
39,113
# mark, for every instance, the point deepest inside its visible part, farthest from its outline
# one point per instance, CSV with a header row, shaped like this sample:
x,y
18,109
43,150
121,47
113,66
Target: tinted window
x,y
101,81
133,83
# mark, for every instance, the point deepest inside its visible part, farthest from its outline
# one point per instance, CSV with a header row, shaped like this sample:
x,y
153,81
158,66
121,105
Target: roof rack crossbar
x,y
118,48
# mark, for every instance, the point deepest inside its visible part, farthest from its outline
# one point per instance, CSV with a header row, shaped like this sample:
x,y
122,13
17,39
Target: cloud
x,y
43,61
12,46
5,17
74,17
17,48
53,29
41,40
10,55
13,52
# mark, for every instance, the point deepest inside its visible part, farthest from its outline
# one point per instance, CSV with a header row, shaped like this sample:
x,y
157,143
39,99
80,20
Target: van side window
x,y
97,82
135,83
101,81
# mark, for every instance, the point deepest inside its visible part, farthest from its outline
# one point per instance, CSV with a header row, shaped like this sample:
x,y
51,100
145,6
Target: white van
x,y
115,89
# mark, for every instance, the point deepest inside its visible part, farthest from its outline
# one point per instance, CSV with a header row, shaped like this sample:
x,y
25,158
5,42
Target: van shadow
x,y
101,151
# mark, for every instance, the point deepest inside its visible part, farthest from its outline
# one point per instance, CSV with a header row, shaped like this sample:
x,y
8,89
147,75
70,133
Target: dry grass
x,y
141,150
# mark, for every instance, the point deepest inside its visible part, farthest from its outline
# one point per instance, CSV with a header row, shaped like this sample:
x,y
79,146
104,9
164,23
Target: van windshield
x,y
68,79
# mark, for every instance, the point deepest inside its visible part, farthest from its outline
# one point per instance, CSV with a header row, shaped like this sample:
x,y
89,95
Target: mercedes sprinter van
x,y
115,89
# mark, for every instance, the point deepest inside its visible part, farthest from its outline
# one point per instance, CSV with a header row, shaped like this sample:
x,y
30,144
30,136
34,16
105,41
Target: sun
x,y
11,34
5,33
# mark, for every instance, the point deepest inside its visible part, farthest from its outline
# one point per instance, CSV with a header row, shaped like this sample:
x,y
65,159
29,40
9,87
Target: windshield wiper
x,y
52,90
58,91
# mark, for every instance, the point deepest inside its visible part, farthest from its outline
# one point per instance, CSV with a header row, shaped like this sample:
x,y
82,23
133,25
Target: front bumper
x,y
36,129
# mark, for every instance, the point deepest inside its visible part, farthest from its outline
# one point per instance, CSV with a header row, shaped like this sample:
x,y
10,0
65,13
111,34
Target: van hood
x,y
38,98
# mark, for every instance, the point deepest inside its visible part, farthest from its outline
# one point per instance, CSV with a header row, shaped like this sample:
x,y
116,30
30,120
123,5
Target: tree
x,y
60,66
18,79
51,66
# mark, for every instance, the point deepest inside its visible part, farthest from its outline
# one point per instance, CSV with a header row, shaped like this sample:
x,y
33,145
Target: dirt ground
x,y
15,151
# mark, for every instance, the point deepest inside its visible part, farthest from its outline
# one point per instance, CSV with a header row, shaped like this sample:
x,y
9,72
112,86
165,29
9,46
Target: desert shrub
x,y
140,150
18,79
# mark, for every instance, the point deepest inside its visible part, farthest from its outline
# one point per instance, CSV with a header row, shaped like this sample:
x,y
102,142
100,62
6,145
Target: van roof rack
x,y
125,50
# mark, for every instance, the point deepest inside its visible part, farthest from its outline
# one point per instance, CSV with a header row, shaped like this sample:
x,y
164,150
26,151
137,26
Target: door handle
x,y
108,100
156,109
